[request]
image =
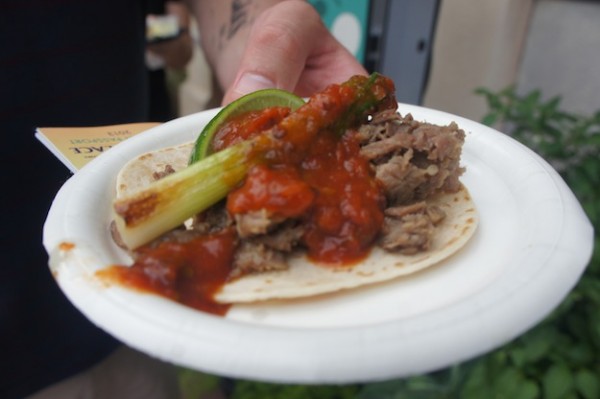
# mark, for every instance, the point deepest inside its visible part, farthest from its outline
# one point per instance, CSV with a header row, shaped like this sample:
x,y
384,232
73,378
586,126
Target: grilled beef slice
x,y
412,160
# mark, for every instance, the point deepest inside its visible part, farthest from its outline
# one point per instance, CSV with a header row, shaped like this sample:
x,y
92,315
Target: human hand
x,y
289,47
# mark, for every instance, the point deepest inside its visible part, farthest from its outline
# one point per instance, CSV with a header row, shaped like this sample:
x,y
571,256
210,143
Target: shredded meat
x,y
214,219
285,238
387,145
266,251
411,160
436,214
409,229
252,257
409,234
255,223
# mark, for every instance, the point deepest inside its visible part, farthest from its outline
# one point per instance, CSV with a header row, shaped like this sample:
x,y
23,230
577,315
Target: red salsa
x,y
189,273
332,190
316,176
348,210
246,126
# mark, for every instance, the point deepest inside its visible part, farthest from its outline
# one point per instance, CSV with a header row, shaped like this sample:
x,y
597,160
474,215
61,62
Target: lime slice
x,y
255,101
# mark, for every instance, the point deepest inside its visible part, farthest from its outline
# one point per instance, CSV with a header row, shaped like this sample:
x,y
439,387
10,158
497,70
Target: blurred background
x,y
439,51
528,67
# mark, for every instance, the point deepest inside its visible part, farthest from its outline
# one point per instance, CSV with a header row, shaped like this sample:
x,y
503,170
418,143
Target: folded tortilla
x,y
304,277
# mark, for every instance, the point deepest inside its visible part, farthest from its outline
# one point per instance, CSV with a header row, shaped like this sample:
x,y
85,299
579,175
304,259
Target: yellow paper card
x,y
76,146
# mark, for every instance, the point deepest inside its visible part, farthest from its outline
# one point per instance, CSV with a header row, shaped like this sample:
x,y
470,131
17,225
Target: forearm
x,y
258,44
224,28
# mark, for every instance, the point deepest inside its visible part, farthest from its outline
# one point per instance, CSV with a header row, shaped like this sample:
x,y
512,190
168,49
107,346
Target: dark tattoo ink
x,y
239,16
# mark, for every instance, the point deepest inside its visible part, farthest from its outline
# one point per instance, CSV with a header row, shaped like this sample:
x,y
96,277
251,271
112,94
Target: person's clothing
x,y
62,63
159,107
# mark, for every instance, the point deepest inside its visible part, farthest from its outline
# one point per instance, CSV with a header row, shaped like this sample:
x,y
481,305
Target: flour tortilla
x,y
138,173
305,278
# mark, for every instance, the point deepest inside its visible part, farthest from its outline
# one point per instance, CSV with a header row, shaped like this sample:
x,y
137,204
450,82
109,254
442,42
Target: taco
x,y
380,200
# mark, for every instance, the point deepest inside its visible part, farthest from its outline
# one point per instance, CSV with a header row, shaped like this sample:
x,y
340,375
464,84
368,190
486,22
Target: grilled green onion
x,y
168,202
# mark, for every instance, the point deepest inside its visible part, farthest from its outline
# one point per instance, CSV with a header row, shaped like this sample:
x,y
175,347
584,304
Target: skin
x,y
257,44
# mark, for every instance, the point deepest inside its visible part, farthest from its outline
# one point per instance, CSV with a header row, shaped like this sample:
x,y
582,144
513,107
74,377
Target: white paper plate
x,y
530,249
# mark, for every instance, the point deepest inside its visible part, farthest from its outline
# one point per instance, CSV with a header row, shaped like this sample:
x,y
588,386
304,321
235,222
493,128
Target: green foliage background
x,y
560,357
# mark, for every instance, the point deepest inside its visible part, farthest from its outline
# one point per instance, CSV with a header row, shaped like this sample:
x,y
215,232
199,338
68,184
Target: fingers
x,y
290,48
277,43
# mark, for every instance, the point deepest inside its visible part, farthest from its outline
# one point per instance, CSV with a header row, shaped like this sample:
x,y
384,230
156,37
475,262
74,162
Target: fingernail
x,y
250,82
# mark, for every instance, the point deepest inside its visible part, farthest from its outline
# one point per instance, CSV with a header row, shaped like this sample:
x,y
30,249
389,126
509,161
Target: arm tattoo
x,y
239,16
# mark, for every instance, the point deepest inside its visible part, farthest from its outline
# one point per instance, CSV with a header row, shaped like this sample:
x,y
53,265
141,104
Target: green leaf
x,y
422,383
591,287
533,98
493,100
244,389
557,382
476,385
595,329
577,325
580,354
538,342
509,383
558,358
591,167
518,357
490,119
587,384
526,389
581,184
551,106
594,140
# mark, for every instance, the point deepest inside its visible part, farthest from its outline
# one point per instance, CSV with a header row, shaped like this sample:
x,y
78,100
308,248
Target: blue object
x,y
348,21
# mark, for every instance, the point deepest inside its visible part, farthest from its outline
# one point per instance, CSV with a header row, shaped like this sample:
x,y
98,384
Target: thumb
x,y
246,82
277,48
